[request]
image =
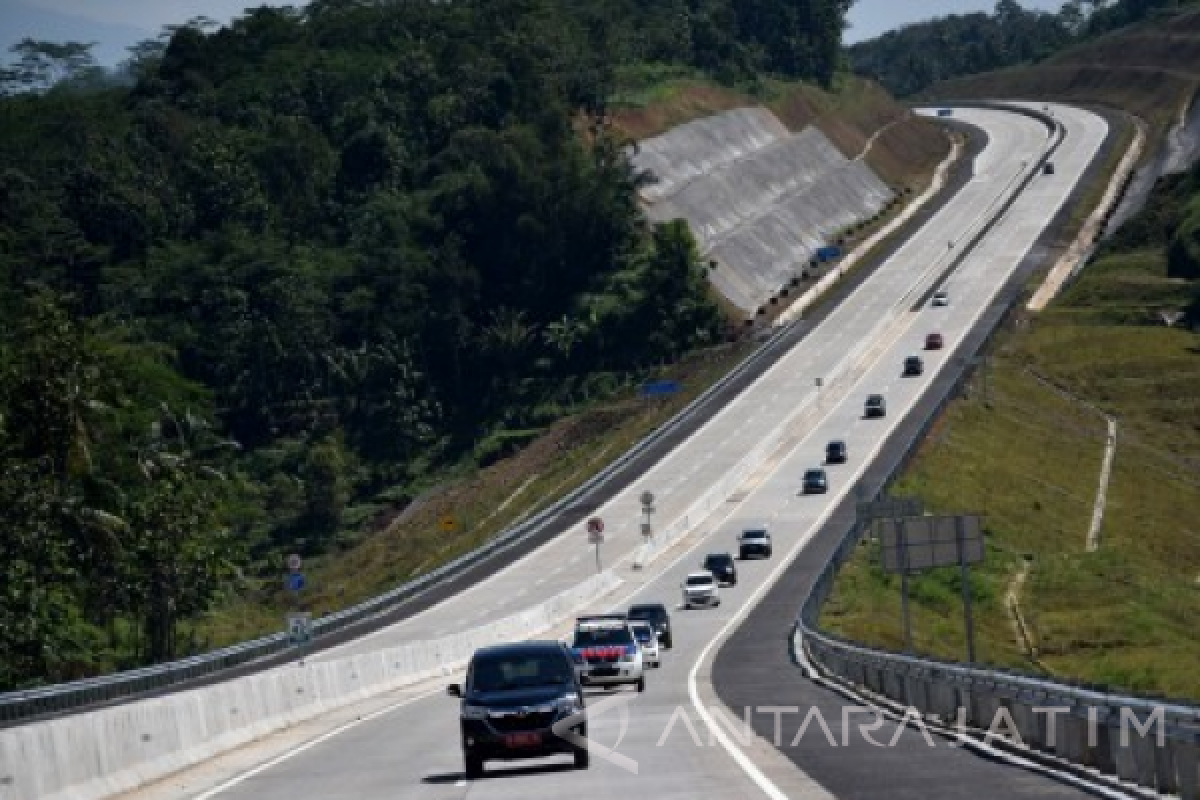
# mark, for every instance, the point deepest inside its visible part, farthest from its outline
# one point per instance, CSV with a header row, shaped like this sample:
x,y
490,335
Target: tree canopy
x,y
307,258
910,59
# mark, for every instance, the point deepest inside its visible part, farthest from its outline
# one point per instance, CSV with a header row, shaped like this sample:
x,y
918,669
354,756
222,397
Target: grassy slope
x,y
1124,615
485,501
1151,70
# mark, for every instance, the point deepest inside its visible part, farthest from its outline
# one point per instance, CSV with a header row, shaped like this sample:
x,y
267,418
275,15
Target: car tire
x,y
641,684
667,643
582,759
473,766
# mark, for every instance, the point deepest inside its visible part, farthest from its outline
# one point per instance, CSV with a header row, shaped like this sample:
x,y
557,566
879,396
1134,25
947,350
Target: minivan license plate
x,y
523,739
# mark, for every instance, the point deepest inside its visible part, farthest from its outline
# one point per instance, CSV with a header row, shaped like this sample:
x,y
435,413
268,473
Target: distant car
x,y
836,453
933,341
875,406
1048,168
606,653
815,482
913,365
515,701
723,568
656,614
941,298
700,589
648,640
945,112
754,542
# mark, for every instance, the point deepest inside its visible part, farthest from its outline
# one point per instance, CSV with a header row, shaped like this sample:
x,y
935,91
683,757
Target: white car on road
x,y
700,589
648,640
606,653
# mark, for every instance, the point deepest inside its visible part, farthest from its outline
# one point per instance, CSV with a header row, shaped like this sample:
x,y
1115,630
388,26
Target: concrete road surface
x,y
413,750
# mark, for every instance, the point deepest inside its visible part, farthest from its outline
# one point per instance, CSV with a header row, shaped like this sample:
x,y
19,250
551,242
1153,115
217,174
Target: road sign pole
x,y
968,617
902,540
598,567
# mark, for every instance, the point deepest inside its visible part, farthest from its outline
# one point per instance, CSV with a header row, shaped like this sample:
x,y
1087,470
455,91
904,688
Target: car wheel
x,y
581,759
667,643
717,603
641,684
474,766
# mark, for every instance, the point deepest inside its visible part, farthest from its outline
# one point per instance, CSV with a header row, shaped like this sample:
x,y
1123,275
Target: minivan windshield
x,y
643,632
699,580
718,560
500,673
603,637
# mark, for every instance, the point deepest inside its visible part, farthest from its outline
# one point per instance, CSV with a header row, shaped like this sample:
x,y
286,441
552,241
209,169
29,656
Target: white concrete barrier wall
x,y
101,753
759,199
700,146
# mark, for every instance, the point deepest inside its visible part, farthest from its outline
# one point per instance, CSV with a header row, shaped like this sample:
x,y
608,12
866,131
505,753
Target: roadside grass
x,y
482,502
1124,615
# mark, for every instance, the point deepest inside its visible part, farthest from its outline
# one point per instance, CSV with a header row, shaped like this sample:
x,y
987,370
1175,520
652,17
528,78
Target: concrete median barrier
x,y
103,753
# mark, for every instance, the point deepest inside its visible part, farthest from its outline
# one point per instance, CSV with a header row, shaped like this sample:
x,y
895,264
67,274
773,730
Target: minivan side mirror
x,y
454,690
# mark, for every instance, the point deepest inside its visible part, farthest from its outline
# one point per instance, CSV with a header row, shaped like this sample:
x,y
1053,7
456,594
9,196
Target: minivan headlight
x,y
568,704
473,712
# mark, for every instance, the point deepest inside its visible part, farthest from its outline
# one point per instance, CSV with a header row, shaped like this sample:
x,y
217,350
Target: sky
x,y
870,18
116,24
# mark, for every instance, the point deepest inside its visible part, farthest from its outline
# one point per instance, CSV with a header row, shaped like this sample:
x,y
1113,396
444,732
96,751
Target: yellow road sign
x,y
447,523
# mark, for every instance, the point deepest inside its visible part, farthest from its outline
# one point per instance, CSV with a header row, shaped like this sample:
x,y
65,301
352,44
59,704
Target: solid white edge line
x,y
751,769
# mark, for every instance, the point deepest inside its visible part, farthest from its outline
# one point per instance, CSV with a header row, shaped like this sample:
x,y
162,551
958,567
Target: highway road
x,y
412,751
718,446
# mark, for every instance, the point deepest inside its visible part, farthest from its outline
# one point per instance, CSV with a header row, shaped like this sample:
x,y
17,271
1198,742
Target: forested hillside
x,y
312,258
915,57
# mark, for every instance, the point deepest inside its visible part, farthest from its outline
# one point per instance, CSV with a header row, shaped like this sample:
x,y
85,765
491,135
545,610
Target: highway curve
x,y
412,750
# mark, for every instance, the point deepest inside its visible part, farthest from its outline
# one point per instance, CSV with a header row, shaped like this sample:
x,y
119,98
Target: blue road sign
x,y
295,581
660,388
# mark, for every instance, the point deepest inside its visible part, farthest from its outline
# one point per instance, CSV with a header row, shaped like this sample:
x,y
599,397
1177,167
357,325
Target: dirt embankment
x,y
906,153
1151,70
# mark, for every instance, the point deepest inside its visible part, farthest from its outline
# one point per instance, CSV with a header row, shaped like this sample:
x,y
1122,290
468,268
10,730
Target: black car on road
x,y
913,365
754,542
723,568
521,701
815,481
875,406
656,614
836,453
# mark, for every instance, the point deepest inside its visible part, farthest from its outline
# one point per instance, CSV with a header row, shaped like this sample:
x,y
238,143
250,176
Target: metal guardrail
x,y
58,698
1139,741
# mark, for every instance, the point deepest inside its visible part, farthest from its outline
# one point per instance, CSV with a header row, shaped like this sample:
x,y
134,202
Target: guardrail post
x,y
1187,750
943,701
1102,753
1123,753
1164,767
1144,759
1074,737
1026,721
